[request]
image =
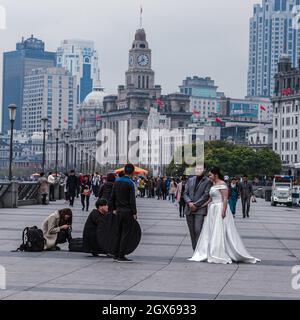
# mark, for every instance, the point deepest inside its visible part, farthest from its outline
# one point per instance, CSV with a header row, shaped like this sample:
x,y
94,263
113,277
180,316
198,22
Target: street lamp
x,y
12,117
57,130
45,125
67,140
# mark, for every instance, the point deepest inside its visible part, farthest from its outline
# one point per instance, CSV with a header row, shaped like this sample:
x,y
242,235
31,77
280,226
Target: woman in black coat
x,y
96,220
71,187
106,188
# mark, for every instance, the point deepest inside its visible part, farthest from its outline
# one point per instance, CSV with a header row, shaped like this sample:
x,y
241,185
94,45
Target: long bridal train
x,y
219,241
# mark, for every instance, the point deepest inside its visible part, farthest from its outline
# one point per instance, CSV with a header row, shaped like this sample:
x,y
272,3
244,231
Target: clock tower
x,y
140,76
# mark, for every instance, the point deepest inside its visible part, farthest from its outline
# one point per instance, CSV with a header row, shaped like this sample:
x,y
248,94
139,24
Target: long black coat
x,y
72,185
106,191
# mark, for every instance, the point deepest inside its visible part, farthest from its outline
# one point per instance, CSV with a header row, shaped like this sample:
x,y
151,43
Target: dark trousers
x,y
51,197
181,207
85,201
246,206
96,191
125,222
44,198
71,199
195,224
63,236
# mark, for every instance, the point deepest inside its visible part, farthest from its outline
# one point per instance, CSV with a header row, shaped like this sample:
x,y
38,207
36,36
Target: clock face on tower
x,y
143,60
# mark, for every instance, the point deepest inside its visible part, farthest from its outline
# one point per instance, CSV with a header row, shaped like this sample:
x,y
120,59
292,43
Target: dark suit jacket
x,y
245,190
199,196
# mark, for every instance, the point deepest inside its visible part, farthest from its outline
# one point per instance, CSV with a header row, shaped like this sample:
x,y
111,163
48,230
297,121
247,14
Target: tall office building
x,y
29,54
274,30
81,60
49,93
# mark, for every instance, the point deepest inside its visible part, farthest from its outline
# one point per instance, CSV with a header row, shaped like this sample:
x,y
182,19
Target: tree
x,y
236,160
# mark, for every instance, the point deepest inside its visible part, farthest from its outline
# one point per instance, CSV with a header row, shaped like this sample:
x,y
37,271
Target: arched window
x,y
142,46
87,60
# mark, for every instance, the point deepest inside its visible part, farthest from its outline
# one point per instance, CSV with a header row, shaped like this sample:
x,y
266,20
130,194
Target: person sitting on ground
x,y
96,217
57,228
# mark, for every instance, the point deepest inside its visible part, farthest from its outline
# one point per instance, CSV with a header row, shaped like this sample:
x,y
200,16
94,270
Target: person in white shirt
x,y
51,181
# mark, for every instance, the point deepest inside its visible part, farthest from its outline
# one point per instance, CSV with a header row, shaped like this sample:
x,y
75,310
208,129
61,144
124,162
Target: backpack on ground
x,y
76,245
32,240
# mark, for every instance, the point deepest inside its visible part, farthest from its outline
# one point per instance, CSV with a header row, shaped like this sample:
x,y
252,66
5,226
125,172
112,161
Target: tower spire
x,y
141,17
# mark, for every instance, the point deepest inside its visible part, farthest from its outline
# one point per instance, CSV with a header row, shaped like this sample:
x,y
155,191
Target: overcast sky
x,y
188,37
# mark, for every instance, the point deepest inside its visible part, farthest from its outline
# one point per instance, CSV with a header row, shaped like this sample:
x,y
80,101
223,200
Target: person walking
x,y
172,190
96,184
164,188
180,196
44,187
65,188
158,188
123,203
85,193
51,181
72,185
196,196
233,196
246,192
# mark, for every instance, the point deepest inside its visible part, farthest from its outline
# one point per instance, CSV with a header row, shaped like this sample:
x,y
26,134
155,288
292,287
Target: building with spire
x,y
122,113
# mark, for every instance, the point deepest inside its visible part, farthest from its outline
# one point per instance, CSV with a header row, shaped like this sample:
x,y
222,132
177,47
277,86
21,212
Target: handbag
x,y
87,192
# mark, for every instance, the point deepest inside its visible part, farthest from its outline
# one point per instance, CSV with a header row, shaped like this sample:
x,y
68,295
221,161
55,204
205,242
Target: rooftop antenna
x,y
141,17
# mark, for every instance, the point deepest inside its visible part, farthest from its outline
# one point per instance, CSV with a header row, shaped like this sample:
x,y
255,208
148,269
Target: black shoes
x,y
124,259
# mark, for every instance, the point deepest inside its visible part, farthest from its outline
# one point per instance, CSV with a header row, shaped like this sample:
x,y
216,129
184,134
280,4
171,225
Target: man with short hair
x,y
196,196
246,193
123,202
51,181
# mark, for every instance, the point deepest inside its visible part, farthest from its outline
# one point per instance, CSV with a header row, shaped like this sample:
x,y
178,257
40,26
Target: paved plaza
x,y
160,269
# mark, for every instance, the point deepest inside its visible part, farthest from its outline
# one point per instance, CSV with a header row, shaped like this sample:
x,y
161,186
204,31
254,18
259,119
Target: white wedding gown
x,y
219,241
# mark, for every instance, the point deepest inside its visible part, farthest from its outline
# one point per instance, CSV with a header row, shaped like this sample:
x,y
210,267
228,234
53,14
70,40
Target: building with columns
x,y
286,123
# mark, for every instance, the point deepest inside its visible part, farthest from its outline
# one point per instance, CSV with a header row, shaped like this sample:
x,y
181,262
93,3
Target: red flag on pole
x,y
218,120
159,103
263,108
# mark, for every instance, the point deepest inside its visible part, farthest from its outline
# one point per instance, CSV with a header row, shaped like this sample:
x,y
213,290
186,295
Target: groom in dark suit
x,y
196,195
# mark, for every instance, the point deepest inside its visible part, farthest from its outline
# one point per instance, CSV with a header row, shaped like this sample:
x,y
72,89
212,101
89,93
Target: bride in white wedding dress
x,y
219,241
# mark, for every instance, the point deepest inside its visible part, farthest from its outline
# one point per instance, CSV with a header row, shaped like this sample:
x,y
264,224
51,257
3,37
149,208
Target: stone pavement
x,y
160,270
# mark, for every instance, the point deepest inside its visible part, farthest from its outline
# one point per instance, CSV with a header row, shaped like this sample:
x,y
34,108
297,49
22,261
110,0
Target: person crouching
x,y
96,217
57,228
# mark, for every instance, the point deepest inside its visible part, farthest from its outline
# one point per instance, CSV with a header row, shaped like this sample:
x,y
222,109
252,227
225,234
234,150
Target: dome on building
x,y
95,98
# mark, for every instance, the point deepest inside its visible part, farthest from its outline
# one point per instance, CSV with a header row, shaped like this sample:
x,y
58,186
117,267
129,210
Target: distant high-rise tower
x,y
30,54
81,59
274,30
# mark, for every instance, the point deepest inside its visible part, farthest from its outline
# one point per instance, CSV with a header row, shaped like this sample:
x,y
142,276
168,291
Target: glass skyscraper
x,y
274,30
30,54
81,59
